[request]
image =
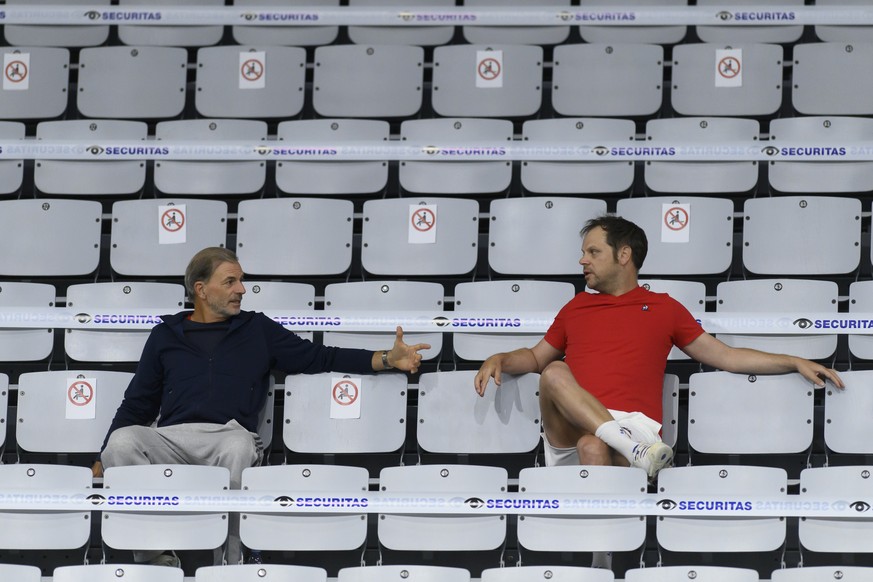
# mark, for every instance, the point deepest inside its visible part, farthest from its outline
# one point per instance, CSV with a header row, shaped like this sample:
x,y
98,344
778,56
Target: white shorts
x,y
642,428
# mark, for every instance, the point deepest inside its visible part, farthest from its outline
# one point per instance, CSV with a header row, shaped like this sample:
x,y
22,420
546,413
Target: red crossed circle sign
x,y
729,67
676,218
16,71
345,392
252,69
489,69
173,220
80,393
423,219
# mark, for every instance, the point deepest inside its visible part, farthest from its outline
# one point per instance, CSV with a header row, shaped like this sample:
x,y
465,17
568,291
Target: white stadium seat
x,y
721,534
318,531
450,533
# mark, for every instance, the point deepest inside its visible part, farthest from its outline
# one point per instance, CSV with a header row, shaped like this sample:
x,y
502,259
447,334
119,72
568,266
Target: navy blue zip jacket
x,y
185,384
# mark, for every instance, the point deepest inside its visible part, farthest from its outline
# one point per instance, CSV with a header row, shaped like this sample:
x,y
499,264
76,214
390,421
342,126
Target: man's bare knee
x,y
553,379
553,374
593,451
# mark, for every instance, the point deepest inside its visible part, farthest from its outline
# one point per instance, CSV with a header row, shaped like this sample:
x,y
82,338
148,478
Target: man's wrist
x,y
385,362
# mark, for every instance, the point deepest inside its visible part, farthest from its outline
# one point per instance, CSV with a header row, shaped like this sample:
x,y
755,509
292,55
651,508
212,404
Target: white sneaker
x,y
171,560
652,458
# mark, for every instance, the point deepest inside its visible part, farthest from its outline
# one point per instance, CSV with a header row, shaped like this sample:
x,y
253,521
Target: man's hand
x,y
818,374
516,362
491,368
97,469
405,357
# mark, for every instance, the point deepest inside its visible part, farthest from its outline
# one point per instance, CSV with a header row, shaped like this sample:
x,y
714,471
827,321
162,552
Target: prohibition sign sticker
x,y
81,400
676,218
423,219
675,226
80,393
729,67
489,69
252,70
16,71
422,225
173,227
345,395
345,392
172,220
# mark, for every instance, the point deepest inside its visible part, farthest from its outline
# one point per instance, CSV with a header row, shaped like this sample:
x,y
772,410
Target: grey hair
x,y
203,265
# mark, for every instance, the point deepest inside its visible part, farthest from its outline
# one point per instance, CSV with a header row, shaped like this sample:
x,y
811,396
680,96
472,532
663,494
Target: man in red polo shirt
x,y
602,361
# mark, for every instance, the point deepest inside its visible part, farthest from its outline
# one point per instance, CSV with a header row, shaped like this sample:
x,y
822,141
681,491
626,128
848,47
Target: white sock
x,y
614,435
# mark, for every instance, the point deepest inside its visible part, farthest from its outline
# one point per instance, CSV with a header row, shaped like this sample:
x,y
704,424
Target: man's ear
x,y
198,289
624,255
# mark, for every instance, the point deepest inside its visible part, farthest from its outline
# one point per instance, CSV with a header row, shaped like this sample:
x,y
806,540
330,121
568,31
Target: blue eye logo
x,y
802,323
284,501
860,506
475,502
667,504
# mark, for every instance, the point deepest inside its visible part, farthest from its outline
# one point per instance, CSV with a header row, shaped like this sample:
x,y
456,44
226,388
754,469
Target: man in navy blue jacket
x,y
207,371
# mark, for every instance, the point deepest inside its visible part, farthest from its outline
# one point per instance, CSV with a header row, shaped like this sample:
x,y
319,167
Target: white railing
x,y
807,151
431,503
417,15
100,318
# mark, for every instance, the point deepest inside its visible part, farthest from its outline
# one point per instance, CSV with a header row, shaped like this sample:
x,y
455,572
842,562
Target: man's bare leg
x,y
569,413
593,451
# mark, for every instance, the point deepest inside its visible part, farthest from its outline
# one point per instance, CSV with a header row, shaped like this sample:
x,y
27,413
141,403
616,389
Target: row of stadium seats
x,y
330,486
453,419
426,573
423,573
511,298
321,176
76,36
384,81
427,236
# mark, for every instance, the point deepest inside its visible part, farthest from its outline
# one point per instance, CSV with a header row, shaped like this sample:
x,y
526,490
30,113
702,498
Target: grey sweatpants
x,y
223,445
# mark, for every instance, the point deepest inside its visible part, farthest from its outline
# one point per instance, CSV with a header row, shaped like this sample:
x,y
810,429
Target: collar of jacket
x,y
175,320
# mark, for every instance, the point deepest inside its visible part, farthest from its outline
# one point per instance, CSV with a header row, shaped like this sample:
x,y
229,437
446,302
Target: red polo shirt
x,y
617,347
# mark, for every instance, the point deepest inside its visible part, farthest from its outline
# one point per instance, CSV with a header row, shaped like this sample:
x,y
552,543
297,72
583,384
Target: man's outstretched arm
x,y
708,350
521,361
